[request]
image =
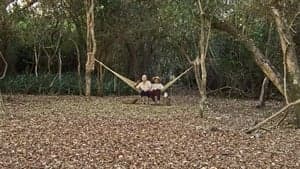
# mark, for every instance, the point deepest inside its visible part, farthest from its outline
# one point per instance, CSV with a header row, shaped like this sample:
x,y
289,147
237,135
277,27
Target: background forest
x,y
44,43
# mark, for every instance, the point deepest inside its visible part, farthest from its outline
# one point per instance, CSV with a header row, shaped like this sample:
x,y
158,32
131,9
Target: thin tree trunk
x,y
205,30
59,66
132,61
2,107
78,66
5,67
36,59
265,84
115,84
263,90
48,60
100,76
91,45
50,56
203,53
196,66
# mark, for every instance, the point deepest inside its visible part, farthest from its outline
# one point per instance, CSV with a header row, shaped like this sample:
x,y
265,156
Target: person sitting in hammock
x,y
145,88
156,89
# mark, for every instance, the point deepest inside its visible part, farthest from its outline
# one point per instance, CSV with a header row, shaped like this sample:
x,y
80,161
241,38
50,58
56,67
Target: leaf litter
x,y
76,132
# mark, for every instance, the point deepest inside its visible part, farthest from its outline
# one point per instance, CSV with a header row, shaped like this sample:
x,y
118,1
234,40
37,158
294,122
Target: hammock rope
x,y
132,84
129,82
170,83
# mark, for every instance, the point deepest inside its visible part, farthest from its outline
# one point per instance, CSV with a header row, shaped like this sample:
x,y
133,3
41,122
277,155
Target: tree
x,y
291,89
199,63
290,60
91,45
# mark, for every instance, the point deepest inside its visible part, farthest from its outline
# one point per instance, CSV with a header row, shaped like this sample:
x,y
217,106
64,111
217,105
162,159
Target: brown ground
x,y
75,132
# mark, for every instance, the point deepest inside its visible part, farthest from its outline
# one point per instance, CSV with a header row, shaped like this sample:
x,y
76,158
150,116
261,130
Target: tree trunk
x,y
78,66
132,61
265,84
2,106
36,59
196,66
199,62
59,66
100,76
263,91
91,45
5,67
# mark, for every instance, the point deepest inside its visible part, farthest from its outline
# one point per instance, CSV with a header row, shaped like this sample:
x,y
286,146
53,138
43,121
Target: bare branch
x,y
183,52
200,7
293,20
273,116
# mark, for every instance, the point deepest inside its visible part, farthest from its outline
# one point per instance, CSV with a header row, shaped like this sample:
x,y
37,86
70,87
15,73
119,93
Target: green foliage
x,y
50,84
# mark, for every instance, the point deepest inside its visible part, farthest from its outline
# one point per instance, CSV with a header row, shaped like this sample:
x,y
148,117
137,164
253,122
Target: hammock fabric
x,y
132,84
129,82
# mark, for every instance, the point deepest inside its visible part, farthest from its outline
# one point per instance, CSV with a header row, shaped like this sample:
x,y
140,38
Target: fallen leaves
x,y
75,132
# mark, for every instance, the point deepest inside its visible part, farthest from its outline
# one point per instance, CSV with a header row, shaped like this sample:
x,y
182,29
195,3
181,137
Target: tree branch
x,y
273,116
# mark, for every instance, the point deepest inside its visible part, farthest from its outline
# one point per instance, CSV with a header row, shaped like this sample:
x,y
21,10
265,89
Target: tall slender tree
x,y
91,45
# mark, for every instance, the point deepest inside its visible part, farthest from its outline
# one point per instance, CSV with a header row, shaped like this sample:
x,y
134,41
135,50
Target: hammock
x,y
132,84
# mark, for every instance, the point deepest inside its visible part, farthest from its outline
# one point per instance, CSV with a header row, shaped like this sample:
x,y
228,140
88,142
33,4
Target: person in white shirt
x,y
145,87
156,89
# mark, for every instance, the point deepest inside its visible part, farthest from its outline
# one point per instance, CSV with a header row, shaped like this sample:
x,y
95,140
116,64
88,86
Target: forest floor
x,y
79,132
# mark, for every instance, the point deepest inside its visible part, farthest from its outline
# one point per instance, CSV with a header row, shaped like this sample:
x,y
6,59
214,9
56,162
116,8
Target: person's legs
x,y
152,95
158,95
143,94
149,95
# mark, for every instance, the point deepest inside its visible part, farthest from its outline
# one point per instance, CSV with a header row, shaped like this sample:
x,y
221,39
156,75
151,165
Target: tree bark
x,y
91,45
196,66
